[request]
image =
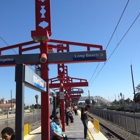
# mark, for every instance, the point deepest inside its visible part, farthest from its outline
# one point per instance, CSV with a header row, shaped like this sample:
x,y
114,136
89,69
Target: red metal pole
x,y
69,101
62,111
62,115
45,106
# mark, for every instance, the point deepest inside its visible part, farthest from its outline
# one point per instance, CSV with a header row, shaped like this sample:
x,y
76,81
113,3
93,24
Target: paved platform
x,y
74,132
91,131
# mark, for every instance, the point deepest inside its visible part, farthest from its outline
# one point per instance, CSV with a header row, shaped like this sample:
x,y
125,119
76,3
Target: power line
x,y
7,44
124,35
117,45
92,76
94,72
109,41
12,49
117,25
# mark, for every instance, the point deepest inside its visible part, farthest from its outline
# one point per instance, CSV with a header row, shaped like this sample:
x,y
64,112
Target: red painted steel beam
x,y
64,45
67,79
65,85
19,46
77,44
43,17
75,96
71,96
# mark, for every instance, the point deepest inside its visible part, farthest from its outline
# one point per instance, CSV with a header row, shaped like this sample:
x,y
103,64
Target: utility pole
x,y
11,100
134,95
133,82
133,88
89,96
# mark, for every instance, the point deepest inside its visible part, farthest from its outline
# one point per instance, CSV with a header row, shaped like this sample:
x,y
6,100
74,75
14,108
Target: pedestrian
x,y
7,134
71,116
75,110
56,130
85,119
67,115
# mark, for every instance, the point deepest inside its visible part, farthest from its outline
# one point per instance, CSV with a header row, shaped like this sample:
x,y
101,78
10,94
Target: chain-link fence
x,y
129,121
10,122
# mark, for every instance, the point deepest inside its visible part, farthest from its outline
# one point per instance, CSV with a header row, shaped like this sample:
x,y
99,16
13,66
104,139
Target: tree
x,y
93,102
32,106
13,101
87,101
26,107
127,100
137,97
121,95
138,88
115,102
36,97
37,106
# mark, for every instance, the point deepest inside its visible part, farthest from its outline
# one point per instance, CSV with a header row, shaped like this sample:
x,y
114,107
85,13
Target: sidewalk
x,y
76,130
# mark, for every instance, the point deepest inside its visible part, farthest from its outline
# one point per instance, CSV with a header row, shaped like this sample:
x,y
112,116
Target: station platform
x,y
93,135
74,132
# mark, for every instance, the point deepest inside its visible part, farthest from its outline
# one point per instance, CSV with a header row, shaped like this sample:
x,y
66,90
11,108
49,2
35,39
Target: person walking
x,y
85,119
75,110
67,115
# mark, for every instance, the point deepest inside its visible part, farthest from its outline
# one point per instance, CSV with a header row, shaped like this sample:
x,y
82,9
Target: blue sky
x,y
82,21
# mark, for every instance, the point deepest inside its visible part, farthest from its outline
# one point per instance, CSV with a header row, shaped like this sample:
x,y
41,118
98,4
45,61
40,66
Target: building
x,y
5,107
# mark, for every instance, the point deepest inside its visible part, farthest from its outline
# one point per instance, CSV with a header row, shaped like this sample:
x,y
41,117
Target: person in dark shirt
x,y
7,134
67,115
52,116
85,119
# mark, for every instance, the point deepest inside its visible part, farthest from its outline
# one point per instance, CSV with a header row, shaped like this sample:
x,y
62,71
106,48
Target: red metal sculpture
x,y
42,41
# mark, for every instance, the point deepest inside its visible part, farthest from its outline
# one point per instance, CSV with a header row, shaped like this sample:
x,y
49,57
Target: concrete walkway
x,y
76,130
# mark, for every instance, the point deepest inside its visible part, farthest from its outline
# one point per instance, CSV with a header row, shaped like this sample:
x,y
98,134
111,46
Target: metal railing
x,y
129,121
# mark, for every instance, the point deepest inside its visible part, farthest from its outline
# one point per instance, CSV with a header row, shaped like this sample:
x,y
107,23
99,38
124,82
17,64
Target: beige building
x,y
5,107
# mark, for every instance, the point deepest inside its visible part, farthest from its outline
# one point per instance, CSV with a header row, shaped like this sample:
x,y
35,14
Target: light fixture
x,y
40,35
43,58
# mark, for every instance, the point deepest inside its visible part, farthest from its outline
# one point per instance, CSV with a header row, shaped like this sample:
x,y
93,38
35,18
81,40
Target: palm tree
x,y
121,98
36,97
137,97
138,88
